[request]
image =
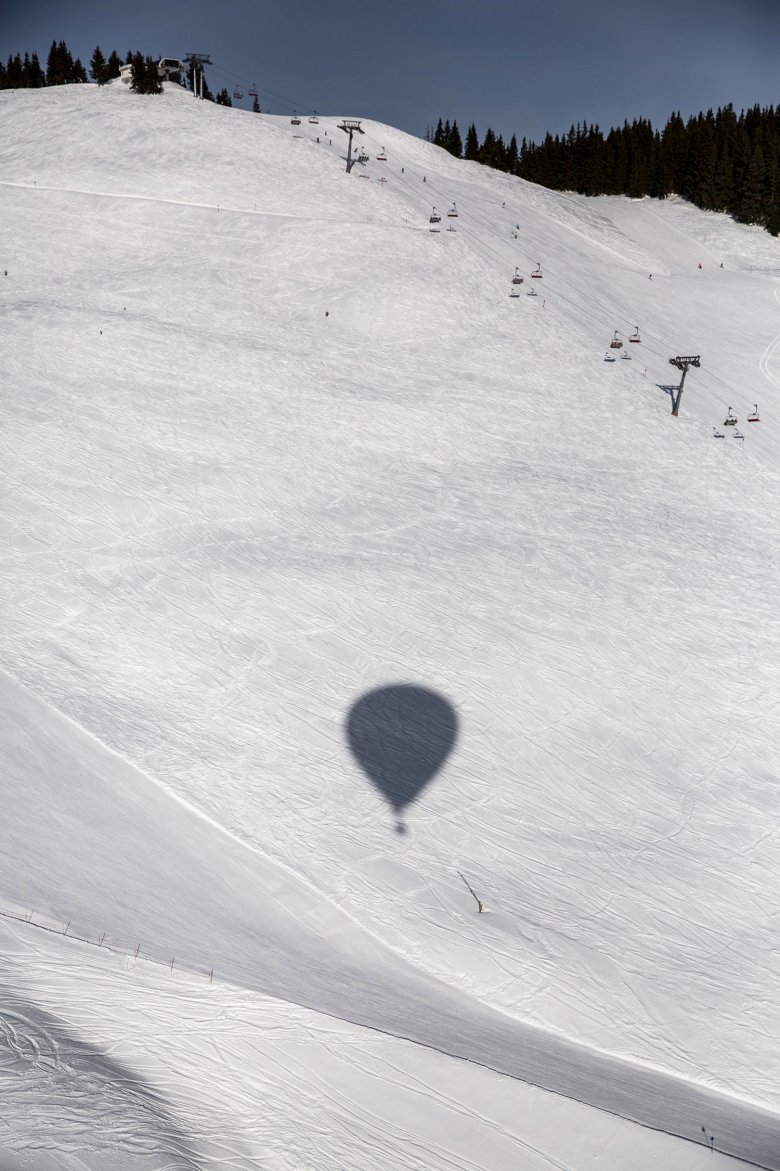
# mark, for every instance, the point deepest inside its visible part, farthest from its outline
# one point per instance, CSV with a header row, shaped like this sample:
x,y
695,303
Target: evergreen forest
x,y
725,161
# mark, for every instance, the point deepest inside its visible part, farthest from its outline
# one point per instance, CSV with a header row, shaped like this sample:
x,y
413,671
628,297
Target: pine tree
x,y
36,73
471,150
145,79
14,72
255,106
138,77
438,138
154,83
512,156
97,66
112,65
455,144
223,98
60,66
487,149
749,207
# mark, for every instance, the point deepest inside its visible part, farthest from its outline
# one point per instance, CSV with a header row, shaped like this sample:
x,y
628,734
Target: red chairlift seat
x,y
753,416
616,343
382,157
537,273
453,212
635,338
517,279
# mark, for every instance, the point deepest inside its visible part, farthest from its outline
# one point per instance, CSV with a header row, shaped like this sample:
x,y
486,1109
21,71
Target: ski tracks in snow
x,y
768,354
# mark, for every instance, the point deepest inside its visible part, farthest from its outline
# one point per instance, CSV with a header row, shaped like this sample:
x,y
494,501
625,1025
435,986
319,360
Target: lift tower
x,y
350,127
197,61
683,364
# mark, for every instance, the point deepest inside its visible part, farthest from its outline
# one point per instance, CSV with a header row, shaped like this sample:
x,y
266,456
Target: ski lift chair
x,y
453,212
616,343
753,416
517,279
609,357
295,120
435,217
537,273
730,420
635,338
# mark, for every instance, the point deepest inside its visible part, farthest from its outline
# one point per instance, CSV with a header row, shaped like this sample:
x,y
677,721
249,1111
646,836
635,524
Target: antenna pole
x,y
683,364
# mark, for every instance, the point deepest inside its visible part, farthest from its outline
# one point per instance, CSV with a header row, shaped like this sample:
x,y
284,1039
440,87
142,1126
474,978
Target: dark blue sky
x,y
526,66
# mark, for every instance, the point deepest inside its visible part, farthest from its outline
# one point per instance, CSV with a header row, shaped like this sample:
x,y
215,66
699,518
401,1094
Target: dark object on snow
x,y
401,736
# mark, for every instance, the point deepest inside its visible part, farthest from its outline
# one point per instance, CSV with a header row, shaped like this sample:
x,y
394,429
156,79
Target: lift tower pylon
x,y
350,126
683,364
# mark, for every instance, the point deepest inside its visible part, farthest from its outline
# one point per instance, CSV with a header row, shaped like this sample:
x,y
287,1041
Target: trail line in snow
x,y
764,360
220,207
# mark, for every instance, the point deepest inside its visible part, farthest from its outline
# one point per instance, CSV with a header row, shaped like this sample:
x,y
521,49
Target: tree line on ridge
x,y
721,161
26,72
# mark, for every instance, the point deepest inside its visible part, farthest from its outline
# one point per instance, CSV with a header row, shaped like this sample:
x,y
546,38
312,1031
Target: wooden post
x,y
480,907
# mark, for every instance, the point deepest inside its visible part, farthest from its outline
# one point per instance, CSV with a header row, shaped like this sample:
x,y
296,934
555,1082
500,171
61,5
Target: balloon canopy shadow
x,y
401,736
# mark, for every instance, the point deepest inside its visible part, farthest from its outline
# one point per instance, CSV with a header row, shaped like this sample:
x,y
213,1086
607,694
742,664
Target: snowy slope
x,y
270,444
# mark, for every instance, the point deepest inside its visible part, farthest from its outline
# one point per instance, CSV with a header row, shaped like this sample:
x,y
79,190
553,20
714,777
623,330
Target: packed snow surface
x,y
343,593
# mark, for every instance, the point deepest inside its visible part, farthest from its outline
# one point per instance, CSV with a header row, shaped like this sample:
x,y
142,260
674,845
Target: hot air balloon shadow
x,y
400,736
